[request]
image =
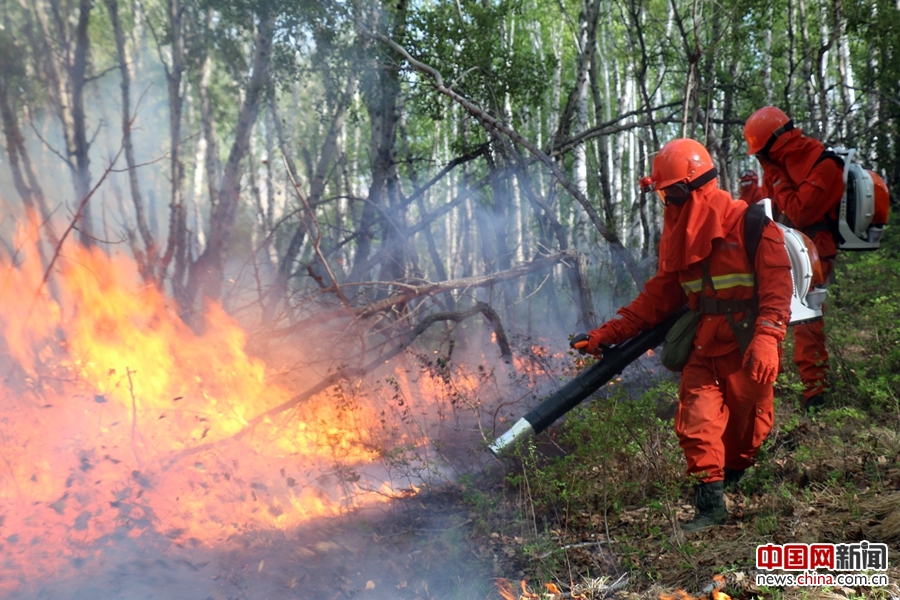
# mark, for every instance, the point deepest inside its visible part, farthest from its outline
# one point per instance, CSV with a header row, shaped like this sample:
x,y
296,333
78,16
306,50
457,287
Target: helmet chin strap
x,y
703,179
774,137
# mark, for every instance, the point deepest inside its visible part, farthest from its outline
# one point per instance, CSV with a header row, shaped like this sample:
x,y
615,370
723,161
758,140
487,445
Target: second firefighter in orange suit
x,y
725,395
806,187
750,193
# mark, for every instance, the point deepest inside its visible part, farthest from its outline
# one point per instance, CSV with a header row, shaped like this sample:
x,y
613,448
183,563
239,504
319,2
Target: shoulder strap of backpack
x,y
755,220
830,225
832,155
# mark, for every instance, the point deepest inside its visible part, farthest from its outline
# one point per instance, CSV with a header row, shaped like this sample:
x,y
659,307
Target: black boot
x,y
733,478
710,505
814,404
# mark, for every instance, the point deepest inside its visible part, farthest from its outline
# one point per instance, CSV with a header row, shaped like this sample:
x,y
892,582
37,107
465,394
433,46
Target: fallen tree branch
x,y
302,397
490,315
411,292
315,238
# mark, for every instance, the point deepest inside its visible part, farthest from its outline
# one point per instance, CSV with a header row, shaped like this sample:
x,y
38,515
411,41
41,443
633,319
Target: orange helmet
x,y
763,128
680,161
882,200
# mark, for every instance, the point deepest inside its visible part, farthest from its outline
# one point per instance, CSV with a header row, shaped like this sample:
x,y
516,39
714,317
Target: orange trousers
x,y
723,415
810,354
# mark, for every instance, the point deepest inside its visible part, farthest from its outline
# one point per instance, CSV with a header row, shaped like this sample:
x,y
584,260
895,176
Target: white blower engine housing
x,y
807,299
857,206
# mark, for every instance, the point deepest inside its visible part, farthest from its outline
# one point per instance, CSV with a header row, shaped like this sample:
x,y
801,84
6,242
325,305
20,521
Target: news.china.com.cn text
x,y
804,560
811,578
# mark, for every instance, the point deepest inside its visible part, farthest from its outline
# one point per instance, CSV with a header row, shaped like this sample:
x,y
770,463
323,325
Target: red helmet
x,y
882,200
680,161
762,125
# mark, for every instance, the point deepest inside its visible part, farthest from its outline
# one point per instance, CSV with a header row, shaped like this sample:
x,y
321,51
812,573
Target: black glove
x,y
582,342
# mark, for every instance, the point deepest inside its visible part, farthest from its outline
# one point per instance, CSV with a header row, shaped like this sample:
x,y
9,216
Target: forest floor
x,y
833,478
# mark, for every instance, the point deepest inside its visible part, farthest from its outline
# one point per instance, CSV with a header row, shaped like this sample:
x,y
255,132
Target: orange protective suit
x,y
808,192
723,415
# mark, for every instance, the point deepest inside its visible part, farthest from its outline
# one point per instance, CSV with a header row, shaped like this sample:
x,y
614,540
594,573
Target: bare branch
x,y
317,239
62,238
610,128
463,283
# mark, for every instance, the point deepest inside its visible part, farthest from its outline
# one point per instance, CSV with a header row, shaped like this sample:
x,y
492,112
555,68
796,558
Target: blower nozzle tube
x,y
586,383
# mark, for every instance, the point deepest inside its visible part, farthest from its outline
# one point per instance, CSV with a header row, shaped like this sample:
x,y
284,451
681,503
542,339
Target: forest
x,y
358,152
353,183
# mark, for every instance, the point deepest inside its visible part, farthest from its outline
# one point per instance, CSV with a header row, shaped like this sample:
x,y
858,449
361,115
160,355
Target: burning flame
x,y
505,589
120,421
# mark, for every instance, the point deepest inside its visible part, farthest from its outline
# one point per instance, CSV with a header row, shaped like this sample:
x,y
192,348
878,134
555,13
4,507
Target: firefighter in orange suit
x,y
806,186
725,396
751,193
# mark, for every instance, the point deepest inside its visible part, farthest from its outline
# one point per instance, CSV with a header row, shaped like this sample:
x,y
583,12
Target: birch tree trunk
x,y
806,72
212,164
176,245
112,6
767,57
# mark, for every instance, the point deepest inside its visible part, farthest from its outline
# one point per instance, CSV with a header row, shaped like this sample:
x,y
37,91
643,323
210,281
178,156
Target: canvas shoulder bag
x,y
679,341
